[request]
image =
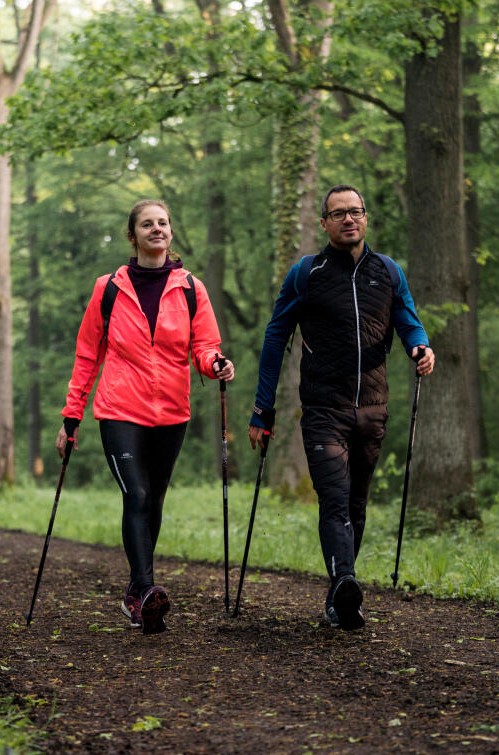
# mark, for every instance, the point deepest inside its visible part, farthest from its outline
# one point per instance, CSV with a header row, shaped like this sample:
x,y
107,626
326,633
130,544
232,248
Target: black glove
x,y
70,425
267,416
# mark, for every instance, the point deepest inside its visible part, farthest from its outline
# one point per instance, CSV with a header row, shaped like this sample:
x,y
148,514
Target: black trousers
x,y
141,460
342,449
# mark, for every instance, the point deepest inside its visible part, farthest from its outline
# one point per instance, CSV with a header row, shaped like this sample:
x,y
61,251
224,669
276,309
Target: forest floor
x,y
420,678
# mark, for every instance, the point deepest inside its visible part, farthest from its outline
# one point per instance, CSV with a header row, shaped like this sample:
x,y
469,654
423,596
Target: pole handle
x,y
265,447
221,363
420,354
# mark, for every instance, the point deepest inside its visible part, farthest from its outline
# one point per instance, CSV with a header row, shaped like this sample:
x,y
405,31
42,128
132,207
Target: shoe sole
x,y
126,612
154,608
333,624
347,601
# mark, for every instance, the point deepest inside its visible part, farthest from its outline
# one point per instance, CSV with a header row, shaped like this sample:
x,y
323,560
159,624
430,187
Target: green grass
x,y
18,735
460,562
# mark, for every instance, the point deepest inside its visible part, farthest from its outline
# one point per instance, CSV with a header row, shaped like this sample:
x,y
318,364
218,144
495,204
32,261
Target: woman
x,y
142,398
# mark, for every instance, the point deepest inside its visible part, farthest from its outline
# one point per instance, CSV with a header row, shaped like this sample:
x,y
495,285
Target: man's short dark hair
x,y
338,189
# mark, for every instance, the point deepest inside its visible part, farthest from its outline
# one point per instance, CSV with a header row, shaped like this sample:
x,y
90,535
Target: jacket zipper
x,y
357,325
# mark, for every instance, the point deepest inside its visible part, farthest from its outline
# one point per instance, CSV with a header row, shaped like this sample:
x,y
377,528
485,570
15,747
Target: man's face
x,y
344,232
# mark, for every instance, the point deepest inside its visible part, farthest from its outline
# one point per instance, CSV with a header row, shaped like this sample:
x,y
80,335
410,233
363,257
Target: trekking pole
x,y
263,454
65,461
223,414
412,432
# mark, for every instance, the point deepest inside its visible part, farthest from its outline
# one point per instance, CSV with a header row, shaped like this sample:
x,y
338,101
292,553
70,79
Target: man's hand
x,y
426,363
256,435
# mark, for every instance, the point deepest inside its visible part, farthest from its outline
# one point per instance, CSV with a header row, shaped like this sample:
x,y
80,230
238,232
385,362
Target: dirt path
x,y
420,678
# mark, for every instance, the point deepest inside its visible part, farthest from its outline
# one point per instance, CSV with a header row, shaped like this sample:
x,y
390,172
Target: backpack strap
x,y
107,303
301,284
190,295
392,270
302,273
395,280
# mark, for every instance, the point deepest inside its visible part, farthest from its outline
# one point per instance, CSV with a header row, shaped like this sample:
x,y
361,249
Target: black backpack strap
x,y
192,303
107,303
111,292
190,295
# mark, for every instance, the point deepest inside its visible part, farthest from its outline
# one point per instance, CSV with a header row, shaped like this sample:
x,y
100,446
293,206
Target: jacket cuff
x,y
264,418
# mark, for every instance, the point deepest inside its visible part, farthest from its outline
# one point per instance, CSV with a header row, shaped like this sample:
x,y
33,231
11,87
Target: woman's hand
x,y
62,439
227,372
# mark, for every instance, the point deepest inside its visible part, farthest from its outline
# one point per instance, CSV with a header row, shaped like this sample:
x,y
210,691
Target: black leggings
x,y
141,460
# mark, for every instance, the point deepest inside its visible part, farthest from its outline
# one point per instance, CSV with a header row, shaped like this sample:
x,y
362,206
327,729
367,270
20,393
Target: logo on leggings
x,y
126,455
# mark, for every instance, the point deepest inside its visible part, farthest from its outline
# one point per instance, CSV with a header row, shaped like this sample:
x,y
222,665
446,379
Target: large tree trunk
x,y
472,116
35,461
295,176
439,274
6,398
214,276
28,33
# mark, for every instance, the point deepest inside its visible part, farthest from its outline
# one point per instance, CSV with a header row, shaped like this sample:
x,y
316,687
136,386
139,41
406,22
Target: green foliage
x,y
386,476
132,70
436,317
148,723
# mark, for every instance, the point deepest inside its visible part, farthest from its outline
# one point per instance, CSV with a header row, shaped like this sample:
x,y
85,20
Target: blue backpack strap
x,y
395,279
300,284
107,303
302,273
392,270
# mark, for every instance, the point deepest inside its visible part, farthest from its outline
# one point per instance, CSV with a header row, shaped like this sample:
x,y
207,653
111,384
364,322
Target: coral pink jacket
x,y
143,380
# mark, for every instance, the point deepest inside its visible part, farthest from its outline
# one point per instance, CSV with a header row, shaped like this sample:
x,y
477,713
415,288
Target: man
x,y
346,309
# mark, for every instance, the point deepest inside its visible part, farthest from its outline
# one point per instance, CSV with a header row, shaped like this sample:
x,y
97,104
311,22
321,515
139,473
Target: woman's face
x,y
153,233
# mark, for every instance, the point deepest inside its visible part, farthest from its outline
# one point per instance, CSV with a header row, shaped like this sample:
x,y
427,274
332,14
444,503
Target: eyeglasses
x,y
356,213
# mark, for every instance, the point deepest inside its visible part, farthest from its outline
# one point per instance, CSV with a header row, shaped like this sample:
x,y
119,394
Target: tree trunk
x,y
35,461
28,34
295,176
471,124
214,275
6,397
439,275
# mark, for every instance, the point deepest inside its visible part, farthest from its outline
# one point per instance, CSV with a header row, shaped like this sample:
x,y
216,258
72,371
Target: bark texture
x,y
439,273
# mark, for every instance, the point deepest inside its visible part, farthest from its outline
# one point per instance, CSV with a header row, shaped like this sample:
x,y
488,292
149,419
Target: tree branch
x,y
28,39
284,29
398,115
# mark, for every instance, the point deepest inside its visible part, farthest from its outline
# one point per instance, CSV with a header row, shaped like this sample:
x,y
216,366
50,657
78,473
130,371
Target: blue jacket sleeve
x,y
282,323
409,327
